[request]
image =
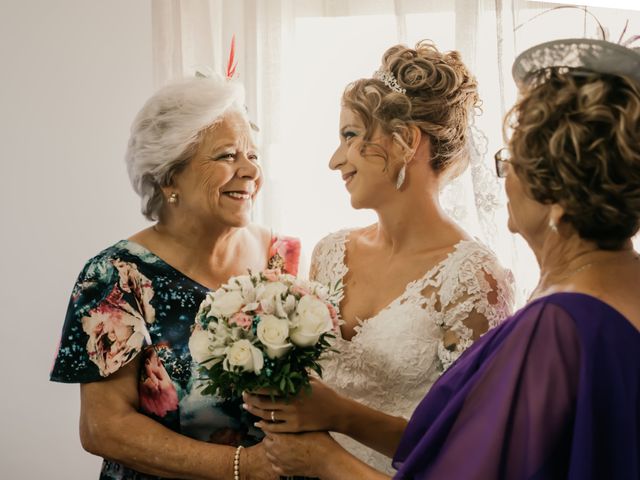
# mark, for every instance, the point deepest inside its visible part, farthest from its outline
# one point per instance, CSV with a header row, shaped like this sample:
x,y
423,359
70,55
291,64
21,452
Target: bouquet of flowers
x,y
263,331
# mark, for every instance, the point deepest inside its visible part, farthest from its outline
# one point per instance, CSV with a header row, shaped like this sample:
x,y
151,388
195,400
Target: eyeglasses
x,y
502,158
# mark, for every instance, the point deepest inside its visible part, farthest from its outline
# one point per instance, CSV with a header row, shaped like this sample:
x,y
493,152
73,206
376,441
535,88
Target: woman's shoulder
x,y
334,240
327,259
119,263
106,263
471,277
265,236
124,249
589,314
473,250
472,262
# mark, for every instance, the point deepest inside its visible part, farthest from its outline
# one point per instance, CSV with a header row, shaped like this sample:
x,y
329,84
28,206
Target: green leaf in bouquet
x,y
317,369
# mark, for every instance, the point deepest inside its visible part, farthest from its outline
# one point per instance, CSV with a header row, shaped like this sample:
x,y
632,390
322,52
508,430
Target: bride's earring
x,y
401,176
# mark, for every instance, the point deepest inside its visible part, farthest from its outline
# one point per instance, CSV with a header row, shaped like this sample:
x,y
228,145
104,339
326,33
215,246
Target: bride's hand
x,y
321,409
303,454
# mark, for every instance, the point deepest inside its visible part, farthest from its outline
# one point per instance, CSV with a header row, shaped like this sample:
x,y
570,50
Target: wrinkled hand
x,y
318,410
254,464
303,454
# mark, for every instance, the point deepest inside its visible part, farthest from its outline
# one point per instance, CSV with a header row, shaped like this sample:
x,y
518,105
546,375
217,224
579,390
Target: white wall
x,y
73,73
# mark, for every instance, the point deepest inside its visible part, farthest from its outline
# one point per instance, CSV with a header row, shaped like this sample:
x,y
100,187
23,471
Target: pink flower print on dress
x,y
300,290
118,330
157,393
132,281
284,254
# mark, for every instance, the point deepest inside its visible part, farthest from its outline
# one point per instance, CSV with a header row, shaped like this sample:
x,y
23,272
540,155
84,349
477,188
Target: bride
x,y
416,289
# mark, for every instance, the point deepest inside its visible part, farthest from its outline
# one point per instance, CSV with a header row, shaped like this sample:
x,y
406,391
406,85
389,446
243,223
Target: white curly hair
x,y
166,132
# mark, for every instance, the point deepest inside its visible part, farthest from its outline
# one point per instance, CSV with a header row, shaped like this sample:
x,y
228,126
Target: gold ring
x,y
273,416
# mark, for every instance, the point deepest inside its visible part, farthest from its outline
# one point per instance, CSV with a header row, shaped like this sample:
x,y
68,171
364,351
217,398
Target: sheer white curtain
x,y
295,57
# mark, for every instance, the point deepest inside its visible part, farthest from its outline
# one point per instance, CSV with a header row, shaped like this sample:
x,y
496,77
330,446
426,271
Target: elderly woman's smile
x,y
221,180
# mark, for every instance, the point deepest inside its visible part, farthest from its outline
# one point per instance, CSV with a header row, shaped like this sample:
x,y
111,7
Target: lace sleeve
x,y
475,295
313,267
327,260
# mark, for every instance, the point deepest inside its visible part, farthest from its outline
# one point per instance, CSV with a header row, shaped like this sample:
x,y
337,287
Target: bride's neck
x,y
417,225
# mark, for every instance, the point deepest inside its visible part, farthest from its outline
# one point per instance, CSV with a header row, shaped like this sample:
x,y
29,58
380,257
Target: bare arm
x,y
373,428
112,427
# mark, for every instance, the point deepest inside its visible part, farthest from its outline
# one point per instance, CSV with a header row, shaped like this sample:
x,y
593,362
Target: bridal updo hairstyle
x,y
440,99
167,132
576,142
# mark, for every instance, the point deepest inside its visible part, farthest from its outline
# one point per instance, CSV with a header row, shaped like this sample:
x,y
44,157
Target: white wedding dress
x,y
396,355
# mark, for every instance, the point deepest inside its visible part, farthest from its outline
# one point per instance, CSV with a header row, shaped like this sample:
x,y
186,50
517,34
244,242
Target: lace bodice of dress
x,y
395,356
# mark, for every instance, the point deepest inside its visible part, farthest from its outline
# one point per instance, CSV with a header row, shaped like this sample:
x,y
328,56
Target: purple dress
x,y
552,393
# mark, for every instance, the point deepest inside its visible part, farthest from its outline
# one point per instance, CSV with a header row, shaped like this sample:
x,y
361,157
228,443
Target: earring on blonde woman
x,y
401,176
173,198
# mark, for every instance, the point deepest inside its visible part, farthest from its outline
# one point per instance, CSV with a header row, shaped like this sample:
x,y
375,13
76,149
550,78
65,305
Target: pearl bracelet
x,y
236,463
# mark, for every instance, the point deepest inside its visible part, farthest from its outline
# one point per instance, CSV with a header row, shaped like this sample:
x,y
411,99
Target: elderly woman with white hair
x,y
193,161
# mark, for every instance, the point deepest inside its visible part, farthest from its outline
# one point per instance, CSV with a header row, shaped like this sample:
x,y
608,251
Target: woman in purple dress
x,y
553,392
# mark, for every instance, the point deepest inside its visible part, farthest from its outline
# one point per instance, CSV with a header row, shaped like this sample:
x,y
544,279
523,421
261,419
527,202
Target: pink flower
x,y
272,274
334,317
299,290
285,254
157,393
242,320
117,328
132,281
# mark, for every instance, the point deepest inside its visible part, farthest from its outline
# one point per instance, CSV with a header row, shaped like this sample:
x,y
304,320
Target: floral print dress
x,y
128,301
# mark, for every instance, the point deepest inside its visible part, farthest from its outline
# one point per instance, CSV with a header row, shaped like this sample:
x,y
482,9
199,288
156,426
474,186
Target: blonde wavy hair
x,y
440,98
576,142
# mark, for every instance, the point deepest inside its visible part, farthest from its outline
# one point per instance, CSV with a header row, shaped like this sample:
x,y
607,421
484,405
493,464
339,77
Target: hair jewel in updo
x,y
389,80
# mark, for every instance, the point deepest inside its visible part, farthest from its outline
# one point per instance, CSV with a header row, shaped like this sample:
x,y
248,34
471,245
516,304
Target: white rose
x,y
200,346
321,291
272,333
244,355
219,331
289,305
270,297
226,304
288,278
206,303
312,319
